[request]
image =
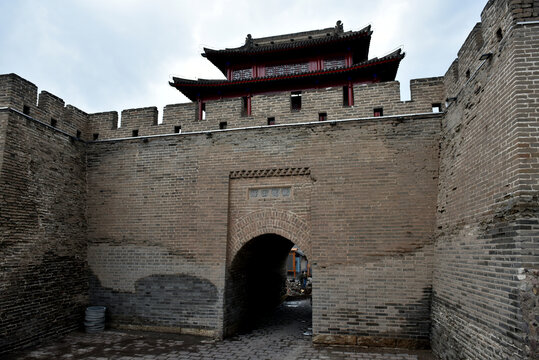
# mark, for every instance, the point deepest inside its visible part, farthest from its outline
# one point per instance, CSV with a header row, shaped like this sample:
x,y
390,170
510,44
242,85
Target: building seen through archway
x,y
257,280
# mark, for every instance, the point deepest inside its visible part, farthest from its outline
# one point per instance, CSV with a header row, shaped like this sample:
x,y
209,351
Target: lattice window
x,y
288,69
242,74
334,63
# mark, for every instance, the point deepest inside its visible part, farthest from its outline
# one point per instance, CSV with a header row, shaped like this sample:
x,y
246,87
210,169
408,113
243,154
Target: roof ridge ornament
x,y
339,27
249,41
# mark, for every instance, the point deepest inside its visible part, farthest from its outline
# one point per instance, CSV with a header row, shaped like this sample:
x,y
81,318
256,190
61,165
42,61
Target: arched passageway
x,y
256,281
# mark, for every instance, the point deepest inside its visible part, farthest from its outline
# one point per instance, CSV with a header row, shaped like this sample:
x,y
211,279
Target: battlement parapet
x,y
375,99
17,93
135,121
176,114
488,39
22,95
103,125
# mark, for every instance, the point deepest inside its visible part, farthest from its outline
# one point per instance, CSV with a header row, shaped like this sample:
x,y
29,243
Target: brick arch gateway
x,y
269,221
256,267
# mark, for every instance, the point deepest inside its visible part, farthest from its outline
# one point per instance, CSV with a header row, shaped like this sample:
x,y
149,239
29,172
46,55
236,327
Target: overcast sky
x,y
103,55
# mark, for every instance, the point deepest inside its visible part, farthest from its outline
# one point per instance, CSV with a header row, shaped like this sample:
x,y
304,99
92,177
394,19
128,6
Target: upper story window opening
x,y
323,116
378,112
436,108
177,129
201,110
271,120
295,101
347,95
246,106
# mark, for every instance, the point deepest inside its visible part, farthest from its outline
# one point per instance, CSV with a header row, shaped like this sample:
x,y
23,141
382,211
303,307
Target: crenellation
x,y
427,92
183,116
18,93
51,109
103,125
178,115
76,122
138,122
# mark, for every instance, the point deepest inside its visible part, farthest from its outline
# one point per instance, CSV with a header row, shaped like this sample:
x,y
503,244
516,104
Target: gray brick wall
x,y
171,196
488,195
43,272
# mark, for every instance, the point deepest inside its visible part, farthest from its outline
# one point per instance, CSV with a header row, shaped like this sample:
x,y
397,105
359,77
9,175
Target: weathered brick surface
x,y
43,283
488,195
369,200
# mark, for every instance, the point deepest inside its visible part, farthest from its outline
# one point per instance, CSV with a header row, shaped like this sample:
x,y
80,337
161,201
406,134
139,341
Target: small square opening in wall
x,y
54,122
378,112
134,133
26,110
322,116
222,125
177,129
78,134
436,108
295,101
271,121
95,136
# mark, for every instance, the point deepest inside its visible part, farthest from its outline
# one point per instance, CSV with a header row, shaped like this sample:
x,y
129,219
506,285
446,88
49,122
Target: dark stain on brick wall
x,y
529,301
506,243
47,296
165,300
448,342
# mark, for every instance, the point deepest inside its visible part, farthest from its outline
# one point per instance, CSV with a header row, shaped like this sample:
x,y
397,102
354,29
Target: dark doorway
x,y
256,282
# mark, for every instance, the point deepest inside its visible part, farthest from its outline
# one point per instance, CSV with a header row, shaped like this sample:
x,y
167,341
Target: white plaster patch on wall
x,y
119,267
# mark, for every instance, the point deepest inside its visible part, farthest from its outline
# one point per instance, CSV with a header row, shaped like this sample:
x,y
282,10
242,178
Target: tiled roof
x,y
291,41
192,88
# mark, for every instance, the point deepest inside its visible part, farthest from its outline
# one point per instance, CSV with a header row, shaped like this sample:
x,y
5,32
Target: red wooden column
x,y
348,59
258,71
